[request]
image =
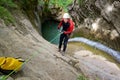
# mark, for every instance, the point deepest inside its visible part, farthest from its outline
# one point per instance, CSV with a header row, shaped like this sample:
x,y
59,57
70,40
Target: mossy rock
x,y
6,16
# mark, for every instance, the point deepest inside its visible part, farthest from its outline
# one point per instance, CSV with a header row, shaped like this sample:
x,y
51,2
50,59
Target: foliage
x,y
8,4
6,15
81,77
2,77
80,2
28,4
41,2
59,3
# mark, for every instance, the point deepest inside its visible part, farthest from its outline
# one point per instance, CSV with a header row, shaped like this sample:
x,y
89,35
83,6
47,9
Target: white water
x,y
113,53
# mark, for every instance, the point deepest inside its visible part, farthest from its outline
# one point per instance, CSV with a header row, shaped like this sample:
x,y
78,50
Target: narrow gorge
x,y
28,26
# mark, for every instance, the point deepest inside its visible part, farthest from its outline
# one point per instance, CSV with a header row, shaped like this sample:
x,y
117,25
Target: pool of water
x,y
50,31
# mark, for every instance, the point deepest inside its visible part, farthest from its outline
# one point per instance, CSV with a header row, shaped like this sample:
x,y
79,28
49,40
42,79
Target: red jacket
x,y
71,27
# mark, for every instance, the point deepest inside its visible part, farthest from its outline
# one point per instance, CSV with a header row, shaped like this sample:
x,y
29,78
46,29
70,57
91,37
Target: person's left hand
x,y
64,32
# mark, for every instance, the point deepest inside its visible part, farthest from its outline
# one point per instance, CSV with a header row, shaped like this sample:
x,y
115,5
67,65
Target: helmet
x,y
66,15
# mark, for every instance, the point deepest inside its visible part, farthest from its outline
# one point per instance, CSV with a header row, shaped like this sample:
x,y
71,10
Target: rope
x,y
54,38
27,60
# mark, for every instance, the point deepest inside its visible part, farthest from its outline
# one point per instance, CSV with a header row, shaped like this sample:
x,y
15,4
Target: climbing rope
x,y
27,60
55,38
60,32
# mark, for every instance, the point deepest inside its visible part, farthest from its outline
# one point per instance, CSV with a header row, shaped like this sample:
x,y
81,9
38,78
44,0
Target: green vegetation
x,y
2,77
58,3
41,2
4,13
7,4
81,77
61,3
28,4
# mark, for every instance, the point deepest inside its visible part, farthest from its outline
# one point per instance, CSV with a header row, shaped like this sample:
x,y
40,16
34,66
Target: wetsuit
x,y
67,30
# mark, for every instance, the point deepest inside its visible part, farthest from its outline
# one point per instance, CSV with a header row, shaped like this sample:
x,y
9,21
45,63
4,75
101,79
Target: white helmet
x,y
66,15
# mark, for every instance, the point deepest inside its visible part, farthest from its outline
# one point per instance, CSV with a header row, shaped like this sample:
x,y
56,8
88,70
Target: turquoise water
x,y
50,31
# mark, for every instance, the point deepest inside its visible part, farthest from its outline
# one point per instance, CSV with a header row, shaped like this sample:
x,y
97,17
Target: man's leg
x,y
60,41
65,42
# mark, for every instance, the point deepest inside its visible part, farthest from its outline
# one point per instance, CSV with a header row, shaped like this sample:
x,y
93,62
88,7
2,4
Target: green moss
x,y
6,15
8,4
28,4
58,3
2,77
80,2
81,77
41,3
61,3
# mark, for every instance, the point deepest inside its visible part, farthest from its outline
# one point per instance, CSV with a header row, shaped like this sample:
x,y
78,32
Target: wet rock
x,y
100,17
10,78
94,66
56,12
23,40
24,78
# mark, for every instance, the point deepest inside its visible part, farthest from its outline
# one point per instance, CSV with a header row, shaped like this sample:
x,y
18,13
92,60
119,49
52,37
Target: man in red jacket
x,y
67,28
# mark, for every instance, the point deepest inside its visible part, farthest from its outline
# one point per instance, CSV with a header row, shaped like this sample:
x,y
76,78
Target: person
x,y
67,28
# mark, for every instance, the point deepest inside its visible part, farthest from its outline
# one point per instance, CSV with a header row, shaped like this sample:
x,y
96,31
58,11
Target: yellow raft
x,y
10,63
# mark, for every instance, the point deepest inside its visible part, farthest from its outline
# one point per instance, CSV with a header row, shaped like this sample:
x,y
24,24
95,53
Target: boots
x,y
59,50
62,52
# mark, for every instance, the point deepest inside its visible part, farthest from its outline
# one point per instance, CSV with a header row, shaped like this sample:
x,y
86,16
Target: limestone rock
x,y
23,40
100,17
